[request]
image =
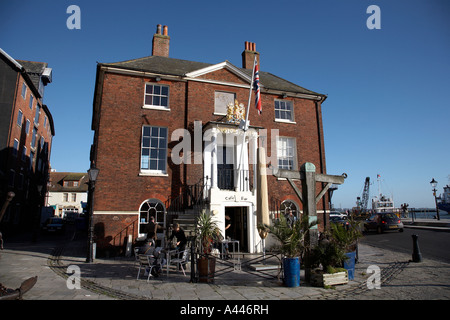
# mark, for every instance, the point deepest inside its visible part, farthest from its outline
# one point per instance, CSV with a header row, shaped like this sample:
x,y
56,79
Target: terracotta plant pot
x,y
206,269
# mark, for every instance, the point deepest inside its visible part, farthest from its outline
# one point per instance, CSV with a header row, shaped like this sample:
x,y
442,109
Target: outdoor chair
x,y
180,262
147,263
136,255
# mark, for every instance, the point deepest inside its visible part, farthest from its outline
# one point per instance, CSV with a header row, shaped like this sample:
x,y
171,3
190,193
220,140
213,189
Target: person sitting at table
x,y
149,249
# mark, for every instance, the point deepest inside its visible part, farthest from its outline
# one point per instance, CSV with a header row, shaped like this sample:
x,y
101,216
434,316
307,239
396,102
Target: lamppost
x,y
9,196
433,186
93,173
37,222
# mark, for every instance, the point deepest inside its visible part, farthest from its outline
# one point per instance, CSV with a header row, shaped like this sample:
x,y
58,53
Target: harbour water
x,y
428,215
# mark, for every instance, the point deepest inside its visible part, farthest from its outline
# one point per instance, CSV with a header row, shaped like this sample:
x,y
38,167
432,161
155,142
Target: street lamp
x,y
37,219
93,173
433,187
9,196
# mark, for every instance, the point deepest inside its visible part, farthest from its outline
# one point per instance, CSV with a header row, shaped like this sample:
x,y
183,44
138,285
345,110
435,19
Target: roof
x,y
57,181
34,70
177,67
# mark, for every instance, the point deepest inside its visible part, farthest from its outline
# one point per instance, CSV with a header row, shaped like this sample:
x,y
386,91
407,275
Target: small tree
x,y
333,245
207,231
347,236
291,236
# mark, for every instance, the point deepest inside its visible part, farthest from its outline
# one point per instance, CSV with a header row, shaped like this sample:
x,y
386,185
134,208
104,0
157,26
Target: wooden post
x,y
308,177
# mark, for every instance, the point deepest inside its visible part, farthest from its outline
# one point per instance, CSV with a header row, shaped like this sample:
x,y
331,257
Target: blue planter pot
x,y
291,267
349,264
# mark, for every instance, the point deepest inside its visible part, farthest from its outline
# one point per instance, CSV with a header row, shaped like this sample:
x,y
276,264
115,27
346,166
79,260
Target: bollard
x,y
417,256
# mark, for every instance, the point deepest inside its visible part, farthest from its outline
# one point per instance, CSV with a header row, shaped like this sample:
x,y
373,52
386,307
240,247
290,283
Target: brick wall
x,y
121,188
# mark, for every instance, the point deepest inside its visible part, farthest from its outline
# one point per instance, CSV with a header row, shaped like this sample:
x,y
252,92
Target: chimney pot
x,y
160,43
248,55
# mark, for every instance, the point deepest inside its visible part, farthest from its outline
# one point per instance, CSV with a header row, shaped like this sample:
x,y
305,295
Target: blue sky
x,y
387,110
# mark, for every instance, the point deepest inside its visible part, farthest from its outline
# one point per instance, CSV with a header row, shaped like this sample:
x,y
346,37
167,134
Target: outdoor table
x,y
169,254
233,243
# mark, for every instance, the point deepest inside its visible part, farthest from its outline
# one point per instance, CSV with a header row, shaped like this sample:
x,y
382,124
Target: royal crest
x,y
235,112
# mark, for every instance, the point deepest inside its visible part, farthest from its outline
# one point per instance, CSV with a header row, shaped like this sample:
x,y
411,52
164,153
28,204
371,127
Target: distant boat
x,y
381,203
443,201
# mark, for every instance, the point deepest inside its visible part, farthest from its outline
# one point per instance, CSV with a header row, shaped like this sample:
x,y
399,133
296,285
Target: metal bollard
x,y
416,256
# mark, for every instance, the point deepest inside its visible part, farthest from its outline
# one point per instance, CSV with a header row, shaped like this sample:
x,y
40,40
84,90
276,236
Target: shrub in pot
x,y
291,237
347,237
326,260
207,232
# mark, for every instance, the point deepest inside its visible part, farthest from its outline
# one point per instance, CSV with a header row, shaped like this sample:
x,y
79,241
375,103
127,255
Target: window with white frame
x,y
27,127
31,102
33,137
289,207
24,153
154,149
284,110
286,153
20,118
36,116
156,95
32,153
24,90
15,149
221,101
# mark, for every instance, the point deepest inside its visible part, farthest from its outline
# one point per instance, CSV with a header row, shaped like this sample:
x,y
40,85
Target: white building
x,y
67,192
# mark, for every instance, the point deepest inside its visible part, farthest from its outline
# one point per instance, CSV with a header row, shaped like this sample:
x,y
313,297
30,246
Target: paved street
x,y
432,244
115,278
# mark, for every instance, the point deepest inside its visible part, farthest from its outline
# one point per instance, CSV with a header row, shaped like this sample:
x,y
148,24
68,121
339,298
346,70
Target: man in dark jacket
x,y
178,233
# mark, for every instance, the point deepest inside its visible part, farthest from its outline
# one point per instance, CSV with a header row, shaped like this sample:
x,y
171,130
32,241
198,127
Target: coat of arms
x,y
235,112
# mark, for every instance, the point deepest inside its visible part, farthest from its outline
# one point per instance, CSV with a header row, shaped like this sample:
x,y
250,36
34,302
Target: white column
x,y
214,160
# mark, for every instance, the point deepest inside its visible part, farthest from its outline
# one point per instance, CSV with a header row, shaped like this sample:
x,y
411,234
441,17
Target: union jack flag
x,y
256,88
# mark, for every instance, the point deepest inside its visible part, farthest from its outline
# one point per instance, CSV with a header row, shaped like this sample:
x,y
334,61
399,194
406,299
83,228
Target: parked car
x,y
337,214
54,225
339,219
383,221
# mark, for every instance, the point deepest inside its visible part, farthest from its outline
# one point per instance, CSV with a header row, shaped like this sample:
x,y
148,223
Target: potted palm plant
x,y
207,232
347,237
333,257
291,237
326,260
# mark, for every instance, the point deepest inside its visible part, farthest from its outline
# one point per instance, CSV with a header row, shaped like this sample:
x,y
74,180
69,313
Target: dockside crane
x,y
364,199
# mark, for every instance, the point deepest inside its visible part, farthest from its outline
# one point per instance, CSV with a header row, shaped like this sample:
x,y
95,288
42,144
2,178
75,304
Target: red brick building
x,y
26,134
165,140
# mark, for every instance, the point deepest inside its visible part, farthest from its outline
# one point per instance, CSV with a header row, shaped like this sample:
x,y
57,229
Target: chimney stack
x,y
160,44
248,55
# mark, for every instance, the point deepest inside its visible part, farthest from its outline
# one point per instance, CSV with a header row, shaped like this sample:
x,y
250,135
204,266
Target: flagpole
x,y
250,95
245,128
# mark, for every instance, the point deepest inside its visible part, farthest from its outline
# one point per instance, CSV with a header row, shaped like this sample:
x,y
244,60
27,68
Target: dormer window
x,y
70,184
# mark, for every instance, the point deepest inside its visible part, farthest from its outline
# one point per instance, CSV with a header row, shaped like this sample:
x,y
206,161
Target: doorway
x,y
239,226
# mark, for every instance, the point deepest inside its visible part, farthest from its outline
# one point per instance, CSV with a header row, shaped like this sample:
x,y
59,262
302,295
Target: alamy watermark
x,y
374,281
374,20
74,20
74,280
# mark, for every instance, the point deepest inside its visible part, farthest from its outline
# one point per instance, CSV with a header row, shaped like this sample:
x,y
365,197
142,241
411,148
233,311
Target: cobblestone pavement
x,y
115,278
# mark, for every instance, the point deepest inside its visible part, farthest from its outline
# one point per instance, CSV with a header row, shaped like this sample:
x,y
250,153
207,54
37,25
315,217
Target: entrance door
x,y
238,229
225,168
